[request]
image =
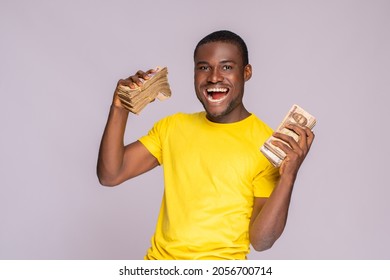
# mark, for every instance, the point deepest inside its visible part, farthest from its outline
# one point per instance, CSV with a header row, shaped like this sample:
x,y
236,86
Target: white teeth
x,y
217,90
211,97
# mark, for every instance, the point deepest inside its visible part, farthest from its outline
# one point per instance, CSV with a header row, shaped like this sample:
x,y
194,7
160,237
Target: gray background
x,y
59,64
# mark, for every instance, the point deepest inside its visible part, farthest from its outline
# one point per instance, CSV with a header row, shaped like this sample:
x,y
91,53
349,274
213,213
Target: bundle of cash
x,y
296,115
156,86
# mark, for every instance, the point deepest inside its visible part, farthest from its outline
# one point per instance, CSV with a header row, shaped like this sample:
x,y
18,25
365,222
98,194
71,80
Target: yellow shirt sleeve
x,y
265,182
153,140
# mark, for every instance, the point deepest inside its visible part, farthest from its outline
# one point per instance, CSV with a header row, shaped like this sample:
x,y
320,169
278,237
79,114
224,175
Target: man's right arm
x,y
117,162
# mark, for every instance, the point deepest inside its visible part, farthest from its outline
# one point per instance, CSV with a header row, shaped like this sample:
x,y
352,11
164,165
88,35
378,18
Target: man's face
x,y
219,81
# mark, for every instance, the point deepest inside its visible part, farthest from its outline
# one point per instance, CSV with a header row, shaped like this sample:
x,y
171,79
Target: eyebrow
x,y
221,62
228,61
202,62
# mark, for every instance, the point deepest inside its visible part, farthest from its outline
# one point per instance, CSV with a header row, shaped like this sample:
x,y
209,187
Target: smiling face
x,y
219,81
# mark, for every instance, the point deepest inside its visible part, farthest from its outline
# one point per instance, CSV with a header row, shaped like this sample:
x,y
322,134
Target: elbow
x,y
262,246
263,243
106,177
106,181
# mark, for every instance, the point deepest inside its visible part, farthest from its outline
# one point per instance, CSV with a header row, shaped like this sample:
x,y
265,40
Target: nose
x,y
215,76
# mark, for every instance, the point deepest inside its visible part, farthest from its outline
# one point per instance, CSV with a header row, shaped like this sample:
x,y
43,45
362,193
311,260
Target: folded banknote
x,y
156,86
296,115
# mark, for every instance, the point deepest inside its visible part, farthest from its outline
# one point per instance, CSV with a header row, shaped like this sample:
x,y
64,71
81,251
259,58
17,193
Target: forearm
x,y
270,221
111,152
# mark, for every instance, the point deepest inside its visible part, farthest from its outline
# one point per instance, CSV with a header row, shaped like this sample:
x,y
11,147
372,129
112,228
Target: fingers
x,y
301,147
132,82
137,79
305,139
292,150
296,151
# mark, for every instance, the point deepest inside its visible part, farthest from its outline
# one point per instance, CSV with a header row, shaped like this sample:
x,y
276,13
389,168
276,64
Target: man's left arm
x,y
269,215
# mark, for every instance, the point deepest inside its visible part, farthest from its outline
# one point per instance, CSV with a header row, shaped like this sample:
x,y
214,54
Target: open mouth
x,y
216,94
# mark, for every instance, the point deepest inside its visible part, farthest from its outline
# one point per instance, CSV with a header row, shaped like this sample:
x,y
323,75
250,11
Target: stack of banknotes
x,y
156,86
296,115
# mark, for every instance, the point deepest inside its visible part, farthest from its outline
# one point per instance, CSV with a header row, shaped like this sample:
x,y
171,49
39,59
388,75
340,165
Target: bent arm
x,y
269,215
116,162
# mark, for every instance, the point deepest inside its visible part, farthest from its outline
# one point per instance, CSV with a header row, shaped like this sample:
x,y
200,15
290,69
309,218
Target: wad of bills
x,y
296,115
156,86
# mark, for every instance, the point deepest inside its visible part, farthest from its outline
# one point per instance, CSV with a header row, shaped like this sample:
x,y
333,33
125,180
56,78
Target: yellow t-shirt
x,y
212,172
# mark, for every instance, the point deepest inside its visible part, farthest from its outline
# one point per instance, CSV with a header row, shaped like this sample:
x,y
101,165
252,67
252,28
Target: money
x,y
296,115
157,86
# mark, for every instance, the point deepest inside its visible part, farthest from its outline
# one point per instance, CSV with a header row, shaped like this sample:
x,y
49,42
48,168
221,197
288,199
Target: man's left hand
x,y
296,151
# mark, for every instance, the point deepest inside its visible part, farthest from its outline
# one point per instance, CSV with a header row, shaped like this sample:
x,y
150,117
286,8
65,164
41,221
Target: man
x,y
221,193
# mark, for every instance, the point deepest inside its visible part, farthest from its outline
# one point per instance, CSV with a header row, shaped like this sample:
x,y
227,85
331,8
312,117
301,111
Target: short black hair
x,y
226,36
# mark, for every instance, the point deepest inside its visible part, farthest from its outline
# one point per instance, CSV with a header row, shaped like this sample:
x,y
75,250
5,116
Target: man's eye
x,y
227,67
203,68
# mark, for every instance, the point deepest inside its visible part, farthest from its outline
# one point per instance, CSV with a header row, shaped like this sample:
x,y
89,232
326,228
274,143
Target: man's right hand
x,y
131,82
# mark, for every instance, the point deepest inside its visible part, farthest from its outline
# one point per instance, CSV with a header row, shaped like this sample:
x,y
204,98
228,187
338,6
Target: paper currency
x,y
156,86
296,115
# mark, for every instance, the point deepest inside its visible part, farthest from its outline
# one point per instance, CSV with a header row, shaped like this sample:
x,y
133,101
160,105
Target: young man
x,y
221,193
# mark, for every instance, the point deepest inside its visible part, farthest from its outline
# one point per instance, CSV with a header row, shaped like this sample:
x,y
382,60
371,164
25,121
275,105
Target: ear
x,y
247,72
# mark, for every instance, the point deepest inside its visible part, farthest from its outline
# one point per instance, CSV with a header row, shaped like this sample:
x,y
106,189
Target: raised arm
x,y
269,215
117,162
